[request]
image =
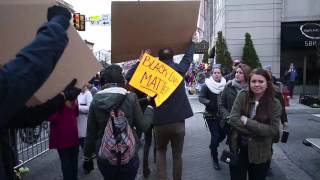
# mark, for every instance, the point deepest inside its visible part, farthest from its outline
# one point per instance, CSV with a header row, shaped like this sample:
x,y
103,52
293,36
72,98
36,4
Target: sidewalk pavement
x,y
294,106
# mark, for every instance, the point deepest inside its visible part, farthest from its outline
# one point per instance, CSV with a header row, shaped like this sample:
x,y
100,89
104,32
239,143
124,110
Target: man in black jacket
x,y
169,125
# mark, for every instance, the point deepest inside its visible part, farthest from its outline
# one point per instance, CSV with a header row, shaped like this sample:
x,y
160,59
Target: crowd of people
x,y
106,117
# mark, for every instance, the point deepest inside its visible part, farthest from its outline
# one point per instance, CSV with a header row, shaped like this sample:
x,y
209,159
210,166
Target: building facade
x,y
283,31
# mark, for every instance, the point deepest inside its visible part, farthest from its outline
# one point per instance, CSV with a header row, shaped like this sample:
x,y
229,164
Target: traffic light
x,y
76,20
79,21
82,23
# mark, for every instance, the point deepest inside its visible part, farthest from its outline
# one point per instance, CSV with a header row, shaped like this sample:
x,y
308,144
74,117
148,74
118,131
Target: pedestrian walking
x,y
230,92
64,137
292,74
254,120
114,114
169,125
19,80
84,101
144,102
21,77
210,95
231,75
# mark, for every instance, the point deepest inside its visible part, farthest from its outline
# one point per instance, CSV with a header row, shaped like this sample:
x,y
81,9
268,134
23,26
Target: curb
x,y
303,111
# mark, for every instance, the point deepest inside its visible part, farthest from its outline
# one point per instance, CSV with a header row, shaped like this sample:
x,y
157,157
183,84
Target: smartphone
x,y
284,137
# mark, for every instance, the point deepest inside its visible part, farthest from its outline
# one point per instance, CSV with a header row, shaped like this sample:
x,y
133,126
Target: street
x,y
291,161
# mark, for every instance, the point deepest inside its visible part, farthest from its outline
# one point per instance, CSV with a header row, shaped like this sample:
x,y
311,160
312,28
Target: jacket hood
x,y
107,98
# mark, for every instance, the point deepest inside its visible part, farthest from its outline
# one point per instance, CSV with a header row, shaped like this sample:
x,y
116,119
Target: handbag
x,y
229,158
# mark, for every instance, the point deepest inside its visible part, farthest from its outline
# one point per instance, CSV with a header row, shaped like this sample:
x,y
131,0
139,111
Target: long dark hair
x,y
264,110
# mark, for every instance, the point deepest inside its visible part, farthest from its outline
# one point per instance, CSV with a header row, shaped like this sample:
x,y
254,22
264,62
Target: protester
x,y
169,125
231,91
283,117
278,95
113,96
84,101
232,74
229,94
144,102
210,96
21,77
29,117
254,118
64,137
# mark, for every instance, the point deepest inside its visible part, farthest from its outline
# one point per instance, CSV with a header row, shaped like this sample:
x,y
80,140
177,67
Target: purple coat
x,y
63,128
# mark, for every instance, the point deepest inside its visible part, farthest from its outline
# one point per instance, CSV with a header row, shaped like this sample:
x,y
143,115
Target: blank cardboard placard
x,y
138,25
20,20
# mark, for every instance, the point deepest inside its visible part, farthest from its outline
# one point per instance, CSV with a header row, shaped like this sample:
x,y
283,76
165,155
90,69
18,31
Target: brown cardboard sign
x,y
138,25
20,20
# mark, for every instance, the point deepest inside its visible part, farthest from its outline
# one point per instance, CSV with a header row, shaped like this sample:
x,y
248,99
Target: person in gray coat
x,y
169,125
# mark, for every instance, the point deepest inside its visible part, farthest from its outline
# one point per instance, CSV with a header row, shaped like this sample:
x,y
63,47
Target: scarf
x,y
238,86
214,86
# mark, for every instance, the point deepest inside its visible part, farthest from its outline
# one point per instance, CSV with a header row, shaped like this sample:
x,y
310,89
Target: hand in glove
x,y
71,92
55,11
88,165
58,11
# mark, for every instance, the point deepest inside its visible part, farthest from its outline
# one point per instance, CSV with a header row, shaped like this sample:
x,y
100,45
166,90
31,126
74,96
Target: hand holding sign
x,y
155,78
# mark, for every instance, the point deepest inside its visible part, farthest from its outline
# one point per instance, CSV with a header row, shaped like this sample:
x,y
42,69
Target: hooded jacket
x,y
98,115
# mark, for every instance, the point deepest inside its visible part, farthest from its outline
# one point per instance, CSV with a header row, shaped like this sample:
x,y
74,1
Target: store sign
x,y
102,20
300,34
201,47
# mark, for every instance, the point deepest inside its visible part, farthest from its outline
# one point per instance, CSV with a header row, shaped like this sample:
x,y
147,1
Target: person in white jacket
x,y
84,101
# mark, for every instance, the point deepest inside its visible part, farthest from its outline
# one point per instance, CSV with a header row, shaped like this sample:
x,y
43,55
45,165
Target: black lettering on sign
x,y
151,82
147,61
153,65
146,77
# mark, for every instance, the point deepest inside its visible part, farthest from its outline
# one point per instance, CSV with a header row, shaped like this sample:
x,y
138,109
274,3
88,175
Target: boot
x,y
146,169
216,164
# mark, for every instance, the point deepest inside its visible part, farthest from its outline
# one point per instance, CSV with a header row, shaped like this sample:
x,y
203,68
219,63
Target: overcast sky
x,y
100,35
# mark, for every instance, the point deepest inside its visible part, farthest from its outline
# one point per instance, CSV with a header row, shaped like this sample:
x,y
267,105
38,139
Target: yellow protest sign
x,y
154,77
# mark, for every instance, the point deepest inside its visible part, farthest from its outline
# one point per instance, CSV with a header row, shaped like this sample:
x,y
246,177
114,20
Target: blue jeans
x,y
69,162
122,172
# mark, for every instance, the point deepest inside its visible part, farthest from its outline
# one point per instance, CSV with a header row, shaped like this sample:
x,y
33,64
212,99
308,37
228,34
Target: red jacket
x,y
63,128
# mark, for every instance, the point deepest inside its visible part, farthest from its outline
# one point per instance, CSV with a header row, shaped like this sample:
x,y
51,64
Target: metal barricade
x,y
31,143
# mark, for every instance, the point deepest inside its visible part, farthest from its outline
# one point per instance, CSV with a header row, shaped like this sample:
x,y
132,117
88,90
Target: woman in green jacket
x,y
254,120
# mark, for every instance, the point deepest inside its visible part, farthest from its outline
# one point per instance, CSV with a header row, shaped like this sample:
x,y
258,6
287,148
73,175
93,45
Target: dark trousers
x,y
146,147
291,87
81,142
69,162
217,135
254,171
121,172
173,133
